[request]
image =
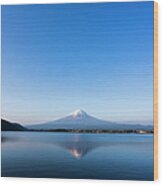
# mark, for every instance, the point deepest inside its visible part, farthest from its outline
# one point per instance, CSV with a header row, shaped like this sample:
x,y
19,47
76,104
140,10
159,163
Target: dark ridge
x,y
8,126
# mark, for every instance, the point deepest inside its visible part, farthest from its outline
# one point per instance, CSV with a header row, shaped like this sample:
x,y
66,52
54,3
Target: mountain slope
x,y
79,119
8,126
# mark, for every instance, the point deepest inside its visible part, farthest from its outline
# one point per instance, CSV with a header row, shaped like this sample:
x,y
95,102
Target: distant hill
x,y
8,126
80,120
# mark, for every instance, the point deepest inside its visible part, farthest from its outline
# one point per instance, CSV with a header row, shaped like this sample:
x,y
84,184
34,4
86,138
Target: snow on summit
x,y
78,113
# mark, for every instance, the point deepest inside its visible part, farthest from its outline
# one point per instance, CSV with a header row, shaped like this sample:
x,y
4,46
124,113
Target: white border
x,y
60,1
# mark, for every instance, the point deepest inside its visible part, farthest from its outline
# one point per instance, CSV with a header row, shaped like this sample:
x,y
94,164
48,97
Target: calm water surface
x,y
68,155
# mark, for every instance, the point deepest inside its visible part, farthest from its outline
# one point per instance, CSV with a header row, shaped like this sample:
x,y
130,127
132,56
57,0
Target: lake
x,y
79,156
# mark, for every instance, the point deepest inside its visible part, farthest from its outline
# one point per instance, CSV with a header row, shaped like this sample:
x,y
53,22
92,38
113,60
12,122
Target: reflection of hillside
x,y
77,144
5,139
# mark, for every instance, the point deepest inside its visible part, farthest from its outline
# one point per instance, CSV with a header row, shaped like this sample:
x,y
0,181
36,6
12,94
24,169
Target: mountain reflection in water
x,y
78,145
74,155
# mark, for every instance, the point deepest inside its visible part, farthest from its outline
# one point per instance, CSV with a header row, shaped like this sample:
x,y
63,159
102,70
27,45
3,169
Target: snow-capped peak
x,y
78,113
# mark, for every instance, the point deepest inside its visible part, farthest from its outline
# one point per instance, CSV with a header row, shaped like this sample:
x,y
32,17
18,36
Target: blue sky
x,y
60,57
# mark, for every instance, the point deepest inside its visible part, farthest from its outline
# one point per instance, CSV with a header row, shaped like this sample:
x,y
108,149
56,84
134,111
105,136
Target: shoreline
x,y
87,131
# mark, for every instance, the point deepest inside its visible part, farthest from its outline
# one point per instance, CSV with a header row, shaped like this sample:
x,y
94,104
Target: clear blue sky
x,y
61,57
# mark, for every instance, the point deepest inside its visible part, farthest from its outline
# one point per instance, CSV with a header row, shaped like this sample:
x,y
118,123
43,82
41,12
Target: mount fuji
x,y
80,120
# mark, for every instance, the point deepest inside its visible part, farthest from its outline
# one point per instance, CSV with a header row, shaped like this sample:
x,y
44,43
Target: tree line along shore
x,y
95,131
